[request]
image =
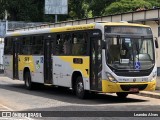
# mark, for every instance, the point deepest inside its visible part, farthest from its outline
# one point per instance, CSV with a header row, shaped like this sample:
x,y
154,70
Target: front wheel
x,y
122,94
79,88
28,82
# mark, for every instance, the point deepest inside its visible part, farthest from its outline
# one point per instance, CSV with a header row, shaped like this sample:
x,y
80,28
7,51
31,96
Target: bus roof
x,y
123,23
71,28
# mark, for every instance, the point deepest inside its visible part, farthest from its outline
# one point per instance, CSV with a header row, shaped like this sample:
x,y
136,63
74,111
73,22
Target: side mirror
x,y
156,42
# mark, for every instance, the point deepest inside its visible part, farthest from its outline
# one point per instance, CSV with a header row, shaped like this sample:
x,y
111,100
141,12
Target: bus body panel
x,y
38,76
26,61
62,72
35,66
8,65
111,87
64,66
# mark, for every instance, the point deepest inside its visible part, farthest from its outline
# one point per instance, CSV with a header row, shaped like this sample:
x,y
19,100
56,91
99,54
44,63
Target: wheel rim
x,y
80,87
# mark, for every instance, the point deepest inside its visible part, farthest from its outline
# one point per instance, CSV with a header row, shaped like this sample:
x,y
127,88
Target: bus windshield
x,y
129,53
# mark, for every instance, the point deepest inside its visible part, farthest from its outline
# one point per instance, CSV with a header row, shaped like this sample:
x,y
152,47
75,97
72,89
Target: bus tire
x,y
28,81
79,88
122,94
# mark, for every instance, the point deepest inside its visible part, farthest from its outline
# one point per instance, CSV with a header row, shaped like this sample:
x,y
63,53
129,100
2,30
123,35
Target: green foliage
x,y
33,10
78,9
2,9
98,6
155,3
126,6
25,10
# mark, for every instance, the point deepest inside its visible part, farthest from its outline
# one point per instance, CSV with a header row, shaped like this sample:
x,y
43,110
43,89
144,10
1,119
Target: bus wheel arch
x,y
27,79
74,77
78,85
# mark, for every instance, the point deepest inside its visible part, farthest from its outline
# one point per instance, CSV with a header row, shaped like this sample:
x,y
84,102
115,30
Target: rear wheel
x,y
28,81
122,94
79,88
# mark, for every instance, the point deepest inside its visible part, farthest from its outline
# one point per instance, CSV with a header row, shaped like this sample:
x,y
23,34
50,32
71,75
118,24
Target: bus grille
x,y
133,74
128,87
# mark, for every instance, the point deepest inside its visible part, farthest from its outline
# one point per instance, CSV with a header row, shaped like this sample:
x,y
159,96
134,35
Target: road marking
x,y
4,108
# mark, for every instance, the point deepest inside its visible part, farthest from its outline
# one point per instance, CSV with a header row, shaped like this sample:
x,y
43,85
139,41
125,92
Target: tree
x,y
98,6
25,10
76,10
79,9
2,10
155,3
123,6
33,10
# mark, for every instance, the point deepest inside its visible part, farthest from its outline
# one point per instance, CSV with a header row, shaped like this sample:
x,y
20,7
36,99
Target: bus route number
x,y
26,59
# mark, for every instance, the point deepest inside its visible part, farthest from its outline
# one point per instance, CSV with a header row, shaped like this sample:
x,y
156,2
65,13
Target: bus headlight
x,y
111,78
154,76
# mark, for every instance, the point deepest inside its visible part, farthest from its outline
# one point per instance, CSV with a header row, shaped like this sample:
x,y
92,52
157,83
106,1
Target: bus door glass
x,y
96,60
16,50
48,44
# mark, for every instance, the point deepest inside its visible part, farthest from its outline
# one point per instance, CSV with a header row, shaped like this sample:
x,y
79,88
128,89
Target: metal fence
x,y
12,25
134,17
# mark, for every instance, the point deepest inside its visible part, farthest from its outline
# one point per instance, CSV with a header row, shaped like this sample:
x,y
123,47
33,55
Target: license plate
x,y
134,90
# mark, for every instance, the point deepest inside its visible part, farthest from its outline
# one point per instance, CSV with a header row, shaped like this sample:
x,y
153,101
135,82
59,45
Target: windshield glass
x,y
129,53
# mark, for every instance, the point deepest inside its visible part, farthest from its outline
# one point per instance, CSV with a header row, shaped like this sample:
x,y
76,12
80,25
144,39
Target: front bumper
x,y
111,87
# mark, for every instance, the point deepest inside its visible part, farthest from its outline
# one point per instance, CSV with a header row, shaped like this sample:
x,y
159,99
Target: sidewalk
x,y
154,94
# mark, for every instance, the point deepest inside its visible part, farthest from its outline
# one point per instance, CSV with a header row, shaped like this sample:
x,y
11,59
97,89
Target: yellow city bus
x,y
106,57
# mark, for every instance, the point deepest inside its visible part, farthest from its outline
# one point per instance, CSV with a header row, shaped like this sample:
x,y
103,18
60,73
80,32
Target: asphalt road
x,y
13,96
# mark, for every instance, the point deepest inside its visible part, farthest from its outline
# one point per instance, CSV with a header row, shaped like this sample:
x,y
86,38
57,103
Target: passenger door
x,y
48,43
16,50
95,60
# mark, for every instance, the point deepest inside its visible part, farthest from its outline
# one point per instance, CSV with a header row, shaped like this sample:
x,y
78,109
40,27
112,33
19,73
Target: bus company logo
x,y
134,79
6,114
37,64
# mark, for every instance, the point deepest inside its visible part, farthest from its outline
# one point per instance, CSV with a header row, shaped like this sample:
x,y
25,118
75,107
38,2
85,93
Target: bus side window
x,y
26,47
37,45
8,46
40,45
74,44
67,44
59,45
79,46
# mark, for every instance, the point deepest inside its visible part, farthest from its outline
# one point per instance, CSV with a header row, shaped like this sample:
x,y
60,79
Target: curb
x,y
150,94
